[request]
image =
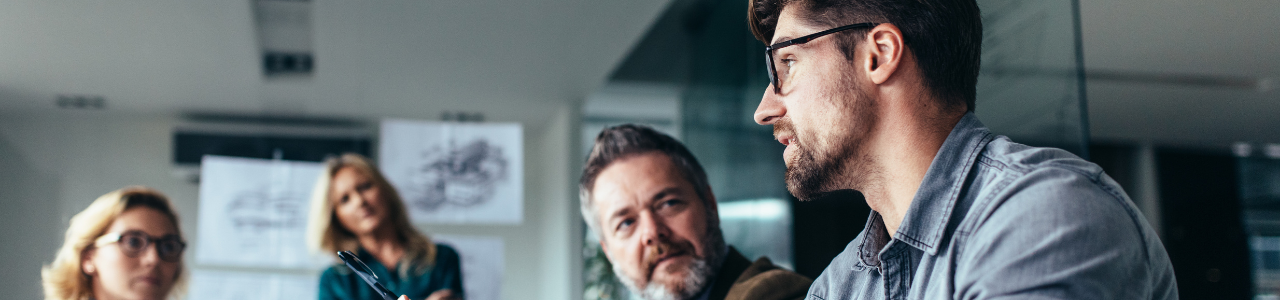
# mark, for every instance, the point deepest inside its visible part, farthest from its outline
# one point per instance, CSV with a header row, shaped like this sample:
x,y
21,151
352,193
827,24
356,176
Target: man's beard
x,y
814,172
700,273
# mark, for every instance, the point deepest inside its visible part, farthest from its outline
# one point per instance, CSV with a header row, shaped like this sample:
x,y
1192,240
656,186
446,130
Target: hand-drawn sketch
x,y
228,285
253,213
482,264
455,172
256,210
466,175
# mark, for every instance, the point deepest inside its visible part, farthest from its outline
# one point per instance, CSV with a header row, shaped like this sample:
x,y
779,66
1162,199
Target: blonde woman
x,y
354,208
125,245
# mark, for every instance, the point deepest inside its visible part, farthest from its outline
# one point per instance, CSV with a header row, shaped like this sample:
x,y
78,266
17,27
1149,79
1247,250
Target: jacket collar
x,y
925,222
734,264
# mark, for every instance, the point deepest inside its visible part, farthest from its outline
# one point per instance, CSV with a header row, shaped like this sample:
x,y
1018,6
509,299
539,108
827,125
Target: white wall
x,y
53,164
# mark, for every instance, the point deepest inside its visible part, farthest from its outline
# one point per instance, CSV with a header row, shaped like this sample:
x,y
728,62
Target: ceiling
x,y
517,60
512,60
1226,40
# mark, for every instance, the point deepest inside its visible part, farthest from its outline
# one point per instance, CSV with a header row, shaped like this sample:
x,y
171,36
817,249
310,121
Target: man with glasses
x,y
878,96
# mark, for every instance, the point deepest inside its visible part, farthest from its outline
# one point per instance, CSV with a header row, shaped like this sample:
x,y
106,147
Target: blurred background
x,y
1176,99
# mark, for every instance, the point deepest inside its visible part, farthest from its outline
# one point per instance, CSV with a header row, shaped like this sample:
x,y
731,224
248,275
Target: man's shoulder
x,y
765,281
1031,180
1006,155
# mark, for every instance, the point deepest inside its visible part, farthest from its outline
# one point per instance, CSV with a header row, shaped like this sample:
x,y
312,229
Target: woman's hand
x,y
445,294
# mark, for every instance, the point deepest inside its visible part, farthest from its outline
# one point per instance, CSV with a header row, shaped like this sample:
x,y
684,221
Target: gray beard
x,y
701,272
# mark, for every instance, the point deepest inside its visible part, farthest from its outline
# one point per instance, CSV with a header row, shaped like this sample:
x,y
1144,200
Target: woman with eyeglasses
x,y
354,208
125,245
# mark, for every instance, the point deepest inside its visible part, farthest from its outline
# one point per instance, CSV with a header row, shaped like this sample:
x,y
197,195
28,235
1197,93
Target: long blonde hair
x,y
325,233
64,279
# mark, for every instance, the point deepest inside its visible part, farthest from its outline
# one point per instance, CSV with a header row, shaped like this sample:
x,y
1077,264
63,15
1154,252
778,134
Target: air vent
x,y
284,35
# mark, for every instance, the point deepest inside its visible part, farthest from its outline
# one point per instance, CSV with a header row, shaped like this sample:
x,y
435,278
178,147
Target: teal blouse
x,y
339,282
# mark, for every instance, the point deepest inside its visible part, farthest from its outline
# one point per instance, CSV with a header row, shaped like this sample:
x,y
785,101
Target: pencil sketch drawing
x,y
455,173
461,176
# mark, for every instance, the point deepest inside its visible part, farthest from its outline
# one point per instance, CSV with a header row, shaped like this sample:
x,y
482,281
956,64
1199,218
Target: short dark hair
x,y
944,35
623,141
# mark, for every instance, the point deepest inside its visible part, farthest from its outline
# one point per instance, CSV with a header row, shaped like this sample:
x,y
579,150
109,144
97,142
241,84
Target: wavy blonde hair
x,y
64,279
326,234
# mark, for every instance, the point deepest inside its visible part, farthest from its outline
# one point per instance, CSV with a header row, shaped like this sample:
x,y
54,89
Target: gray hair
x,y
623,141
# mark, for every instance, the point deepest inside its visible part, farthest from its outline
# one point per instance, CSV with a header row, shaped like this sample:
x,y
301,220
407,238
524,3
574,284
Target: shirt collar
x,y
924,224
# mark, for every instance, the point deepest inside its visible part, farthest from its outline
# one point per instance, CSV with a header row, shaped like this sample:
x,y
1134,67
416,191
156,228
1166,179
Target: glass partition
x,y
1031,86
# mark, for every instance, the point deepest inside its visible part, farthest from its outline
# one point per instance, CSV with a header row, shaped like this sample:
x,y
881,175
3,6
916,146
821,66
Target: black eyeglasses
x,y
773,65
133,242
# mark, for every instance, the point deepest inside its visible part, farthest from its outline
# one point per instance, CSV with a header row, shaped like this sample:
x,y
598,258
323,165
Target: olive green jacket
x,y
760,280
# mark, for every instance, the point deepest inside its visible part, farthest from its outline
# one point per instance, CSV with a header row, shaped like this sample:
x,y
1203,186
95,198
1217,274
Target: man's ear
x,y
605,249
884,51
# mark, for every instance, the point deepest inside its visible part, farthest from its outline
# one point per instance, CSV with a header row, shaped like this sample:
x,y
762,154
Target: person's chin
x,y
149,292
671,271
367,225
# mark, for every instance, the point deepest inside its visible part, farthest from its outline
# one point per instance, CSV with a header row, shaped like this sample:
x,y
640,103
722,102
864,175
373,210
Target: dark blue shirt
x,y
339,282
994,219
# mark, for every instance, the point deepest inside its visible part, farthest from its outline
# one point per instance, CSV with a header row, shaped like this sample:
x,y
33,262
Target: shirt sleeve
x,y
1057,234
449,268
330,286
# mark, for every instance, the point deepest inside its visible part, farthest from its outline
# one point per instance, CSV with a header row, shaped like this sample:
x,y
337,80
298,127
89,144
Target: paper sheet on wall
x,y
482,264
229,285
253,213
455,173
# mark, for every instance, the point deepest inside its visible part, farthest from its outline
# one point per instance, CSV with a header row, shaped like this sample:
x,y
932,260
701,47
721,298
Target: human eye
x,y
787,64
133,241
670,205
170,244
623,225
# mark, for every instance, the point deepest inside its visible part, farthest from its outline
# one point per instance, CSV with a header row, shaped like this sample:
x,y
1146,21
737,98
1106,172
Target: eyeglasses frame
x,y
116,237
768,51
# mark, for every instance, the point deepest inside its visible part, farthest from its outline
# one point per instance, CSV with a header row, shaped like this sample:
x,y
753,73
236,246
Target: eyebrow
x,y
664,192
779,40
615,215
661,194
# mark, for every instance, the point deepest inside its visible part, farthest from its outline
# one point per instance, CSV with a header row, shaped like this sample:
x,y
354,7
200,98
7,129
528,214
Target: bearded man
x,y
878,96
647,199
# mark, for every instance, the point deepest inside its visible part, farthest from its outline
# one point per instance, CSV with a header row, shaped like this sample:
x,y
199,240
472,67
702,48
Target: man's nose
x,y
653,230
770,108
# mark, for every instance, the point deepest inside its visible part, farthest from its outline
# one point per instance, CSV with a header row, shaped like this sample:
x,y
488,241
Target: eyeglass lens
x,y
778,70
773,77
168,247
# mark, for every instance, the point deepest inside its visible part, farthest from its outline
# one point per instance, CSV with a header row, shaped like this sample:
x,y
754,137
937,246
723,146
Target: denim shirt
x,y
994,219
